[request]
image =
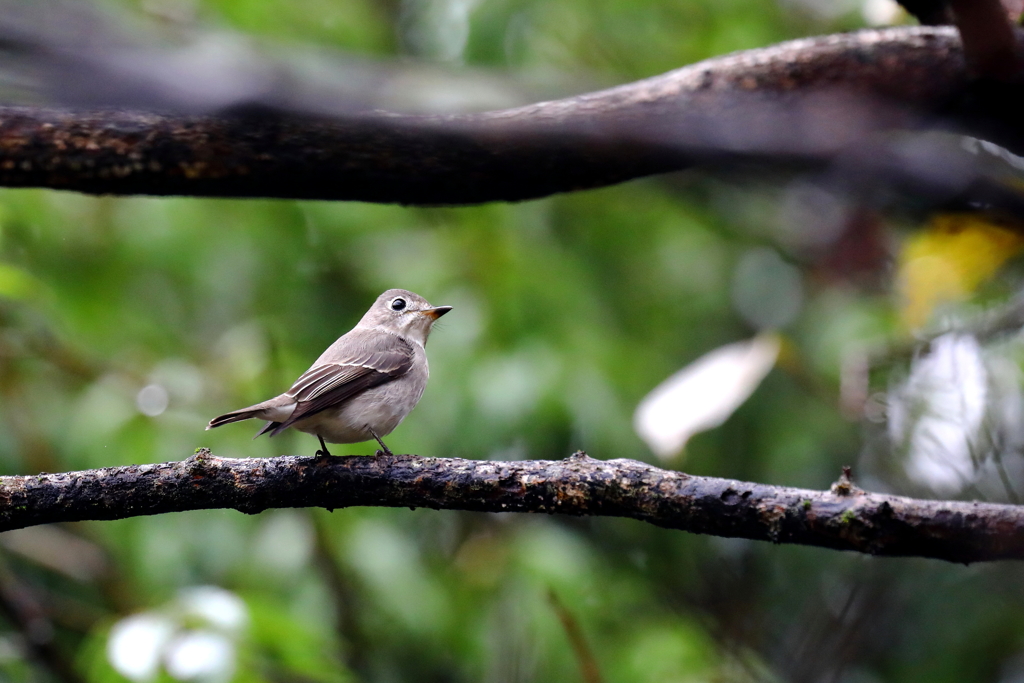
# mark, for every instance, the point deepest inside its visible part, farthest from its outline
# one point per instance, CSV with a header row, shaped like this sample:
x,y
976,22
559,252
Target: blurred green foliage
x,y
567,312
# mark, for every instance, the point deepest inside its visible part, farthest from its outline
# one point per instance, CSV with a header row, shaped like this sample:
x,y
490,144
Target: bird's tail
x,y
269,427
233,416
238,416
278,407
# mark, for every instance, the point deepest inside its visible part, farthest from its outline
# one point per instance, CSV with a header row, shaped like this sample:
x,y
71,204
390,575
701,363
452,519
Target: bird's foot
x,y
384,450
323,448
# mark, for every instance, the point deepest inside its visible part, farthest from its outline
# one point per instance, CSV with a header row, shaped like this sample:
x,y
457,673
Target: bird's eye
x,y
398,304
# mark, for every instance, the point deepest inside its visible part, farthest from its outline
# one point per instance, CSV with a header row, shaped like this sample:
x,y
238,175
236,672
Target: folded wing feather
x,y
329,384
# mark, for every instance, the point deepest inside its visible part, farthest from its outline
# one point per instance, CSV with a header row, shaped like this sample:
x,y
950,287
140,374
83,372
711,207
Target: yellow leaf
x,y
949,260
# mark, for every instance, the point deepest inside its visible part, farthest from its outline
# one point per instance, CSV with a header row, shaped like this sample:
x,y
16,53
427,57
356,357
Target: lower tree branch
x,y
844,518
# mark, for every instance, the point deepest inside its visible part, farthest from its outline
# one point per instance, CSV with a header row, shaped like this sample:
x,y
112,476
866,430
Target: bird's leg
x,y
323,447
385,450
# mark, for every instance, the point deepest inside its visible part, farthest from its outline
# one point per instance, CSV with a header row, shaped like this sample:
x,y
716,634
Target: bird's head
x,y
405,313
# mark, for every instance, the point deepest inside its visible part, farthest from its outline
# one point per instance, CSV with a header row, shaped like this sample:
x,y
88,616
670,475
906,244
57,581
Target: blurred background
x,y
787,330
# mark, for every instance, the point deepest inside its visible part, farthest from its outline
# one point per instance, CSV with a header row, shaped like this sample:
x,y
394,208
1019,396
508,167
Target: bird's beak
x,y
436,312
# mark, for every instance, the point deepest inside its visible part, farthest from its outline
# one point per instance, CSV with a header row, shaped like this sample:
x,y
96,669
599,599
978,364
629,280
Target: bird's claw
x,y
384,450
323,448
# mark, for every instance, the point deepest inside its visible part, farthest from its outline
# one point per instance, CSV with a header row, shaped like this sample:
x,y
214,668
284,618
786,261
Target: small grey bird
x,y
364,384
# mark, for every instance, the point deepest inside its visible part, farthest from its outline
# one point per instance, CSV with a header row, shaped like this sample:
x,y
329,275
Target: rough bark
x,y
844,518
800,102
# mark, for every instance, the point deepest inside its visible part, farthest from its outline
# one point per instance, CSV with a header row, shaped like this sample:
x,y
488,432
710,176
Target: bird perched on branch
x,y
364,384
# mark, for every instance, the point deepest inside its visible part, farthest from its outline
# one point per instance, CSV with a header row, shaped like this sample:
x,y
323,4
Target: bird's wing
x,y
384,357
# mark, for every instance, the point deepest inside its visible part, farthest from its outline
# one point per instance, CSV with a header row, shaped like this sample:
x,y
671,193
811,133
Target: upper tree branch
x,y
844,518
800,102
